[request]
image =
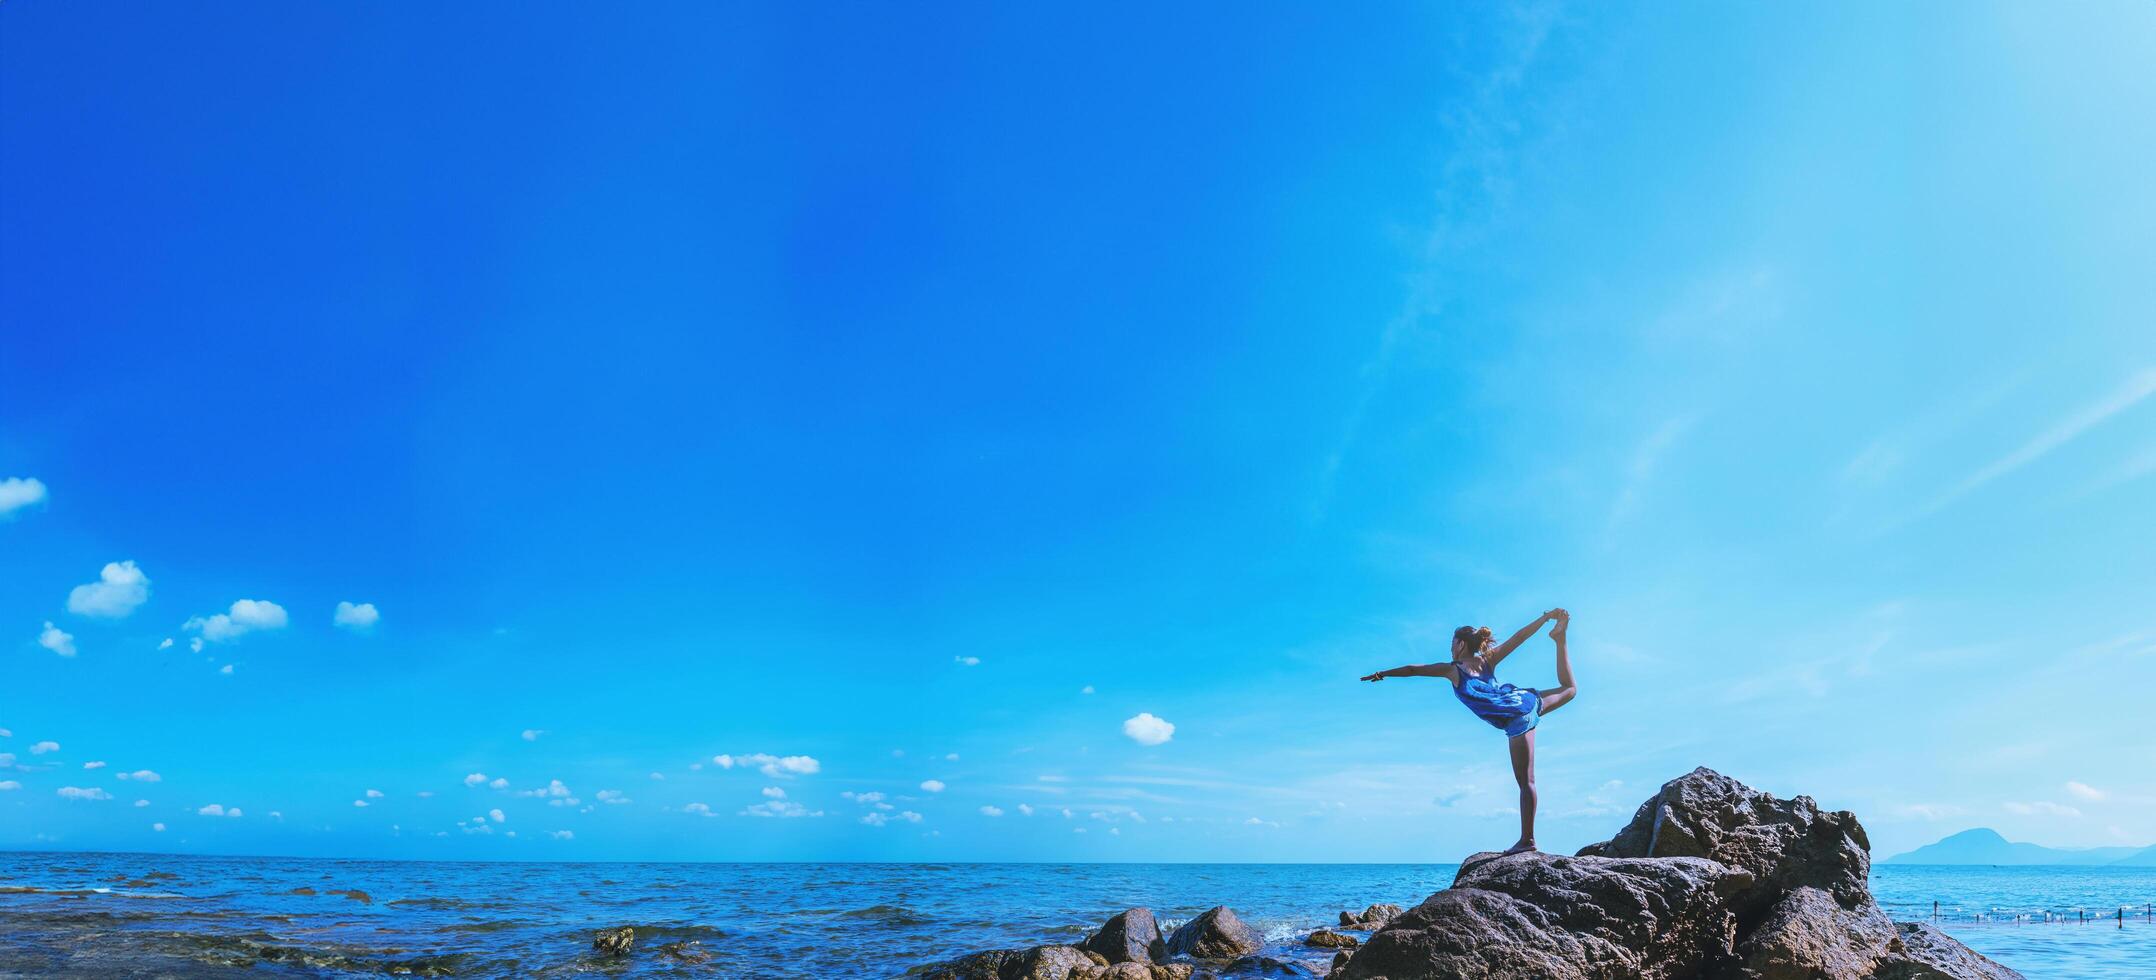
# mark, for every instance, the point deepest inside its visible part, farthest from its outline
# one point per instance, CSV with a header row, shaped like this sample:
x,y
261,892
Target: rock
x,y
1129,970
355,895
1128,937
986,965
1928,954
1045,963
1539,915
614,942
1214,935
1372,918
1266,966
1171,971
1785,844
1340,962
690,951
1809,935
1711,880
301,890
1328,939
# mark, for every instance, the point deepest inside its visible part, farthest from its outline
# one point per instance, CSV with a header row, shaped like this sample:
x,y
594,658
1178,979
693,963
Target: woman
x,y
1513,710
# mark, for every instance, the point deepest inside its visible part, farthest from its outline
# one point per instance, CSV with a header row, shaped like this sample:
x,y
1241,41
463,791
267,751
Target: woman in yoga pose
x,y
1513,710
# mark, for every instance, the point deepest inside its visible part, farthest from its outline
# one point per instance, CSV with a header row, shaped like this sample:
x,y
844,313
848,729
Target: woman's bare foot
x,y
1525,845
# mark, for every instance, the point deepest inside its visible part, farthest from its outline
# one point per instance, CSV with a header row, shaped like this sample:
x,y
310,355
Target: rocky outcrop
x,y
1373,918
1215,934
1128,937
614,942
1711,880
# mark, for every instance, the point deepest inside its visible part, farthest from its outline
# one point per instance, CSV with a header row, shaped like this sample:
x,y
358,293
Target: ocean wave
x,y
888,915
262,949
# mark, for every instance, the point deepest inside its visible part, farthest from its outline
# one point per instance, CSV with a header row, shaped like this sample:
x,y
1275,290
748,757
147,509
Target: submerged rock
x,y
1128,937
1215,934
1328,939
1266,966
615,941
1711,880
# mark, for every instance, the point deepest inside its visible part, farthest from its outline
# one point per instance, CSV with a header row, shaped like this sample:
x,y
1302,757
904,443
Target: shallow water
x,y
106,914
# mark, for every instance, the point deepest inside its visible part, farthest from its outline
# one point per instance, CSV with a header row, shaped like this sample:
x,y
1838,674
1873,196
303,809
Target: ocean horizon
x,y
106,913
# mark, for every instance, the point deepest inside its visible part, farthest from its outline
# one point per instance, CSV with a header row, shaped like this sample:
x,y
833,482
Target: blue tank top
x,y
1499,704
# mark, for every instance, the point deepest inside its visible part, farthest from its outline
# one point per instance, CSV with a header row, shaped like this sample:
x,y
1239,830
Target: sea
x,y
110,915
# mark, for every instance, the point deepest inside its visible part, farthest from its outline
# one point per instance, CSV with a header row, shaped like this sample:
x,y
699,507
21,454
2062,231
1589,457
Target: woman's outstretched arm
x,y
1513,643
1412,670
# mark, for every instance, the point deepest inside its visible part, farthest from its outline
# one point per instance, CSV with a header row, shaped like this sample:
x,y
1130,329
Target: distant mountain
x,y
1984,846
2144,858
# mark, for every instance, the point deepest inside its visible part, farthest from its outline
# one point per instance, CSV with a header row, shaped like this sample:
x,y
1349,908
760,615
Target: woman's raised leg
x,y
1557,697
1523,770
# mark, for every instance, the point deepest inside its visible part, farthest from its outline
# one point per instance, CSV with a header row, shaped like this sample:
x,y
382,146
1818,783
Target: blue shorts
x,y
1527,722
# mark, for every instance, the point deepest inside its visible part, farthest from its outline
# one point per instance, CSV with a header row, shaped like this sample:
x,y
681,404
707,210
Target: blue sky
x,y
897,403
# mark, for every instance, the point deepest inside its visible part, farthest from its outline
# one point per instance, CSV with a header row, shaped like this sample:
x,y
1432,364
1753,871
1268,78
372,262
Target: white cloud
x,y
142,775
932,785
878,819
723,761
774,766
141,803
225,670
246,616
862,797
374,794
780,808
2085,791
554,788
43,747
991,811
1255,822
18,492
4,733
953,757
9,784
93,765
658,776
359,803
165,644
562,834
1088,689
612,797
160,828
774,792
1145,729
1926,811
699,809
496,815
532,734
80,793
968,661
120,587
1025,808
476,779
218,810
57,640
498,782
358,618
2042,808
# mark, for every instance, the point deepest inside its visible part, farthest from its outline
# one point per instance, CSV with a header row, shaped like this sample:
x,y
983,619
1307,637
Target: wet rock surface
x,y
1129,937
1710,880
